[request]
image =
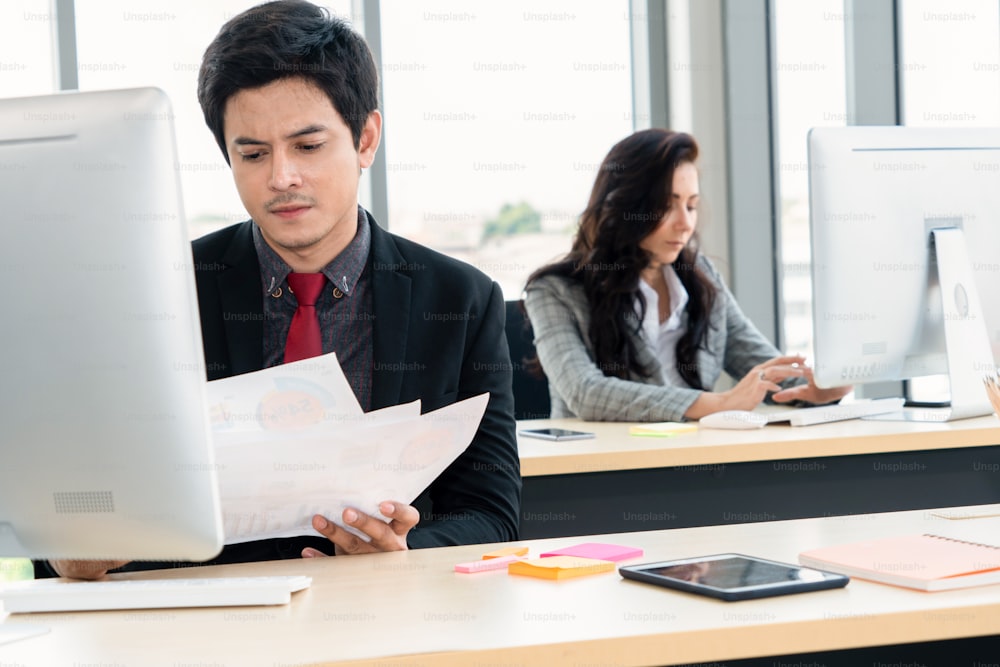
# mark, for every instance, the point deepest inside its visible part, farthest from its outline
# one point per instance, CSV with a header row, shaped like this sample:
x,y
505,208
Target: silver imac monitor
x,y
106,450
905,225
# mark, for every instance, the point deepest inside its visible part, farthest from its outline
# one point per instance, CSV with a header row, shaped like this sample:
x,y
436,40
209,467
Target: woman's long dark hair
x,y
630,197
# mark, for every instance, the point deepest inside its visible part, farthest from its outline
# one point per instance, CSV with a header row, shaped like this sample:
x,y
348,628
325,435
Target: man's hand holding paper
x,y
279,469
383,536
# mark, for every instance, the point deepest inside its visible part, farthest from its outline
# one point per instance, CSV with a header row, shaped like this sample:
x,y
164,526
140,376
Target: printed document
x,y
291,441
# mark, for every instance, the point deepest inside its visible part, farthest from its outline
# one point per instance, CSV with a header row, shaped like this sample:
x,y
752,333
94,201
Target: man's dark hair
x,y
283,39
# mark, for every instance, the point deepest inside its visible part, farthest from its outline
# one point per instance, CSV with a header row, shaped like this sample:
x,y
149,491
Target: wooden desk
x,y
410,608
617,482
615,449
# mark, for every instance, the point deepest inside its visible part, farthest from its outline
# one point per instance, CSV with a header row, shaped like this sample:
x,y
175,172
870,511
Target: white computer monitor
x,y
905,226
105,441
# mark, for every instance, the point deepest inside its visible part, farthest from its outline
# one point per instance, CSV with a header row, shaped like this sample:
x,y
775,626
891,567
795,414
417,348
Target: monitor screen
x,y
106,449
890,208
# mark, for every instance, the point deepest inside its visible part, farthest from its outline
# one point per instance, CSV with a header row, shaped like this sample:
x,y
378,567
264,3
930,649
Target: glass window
x,y
950,62
125,43
497,116
27,63
810,92
15,569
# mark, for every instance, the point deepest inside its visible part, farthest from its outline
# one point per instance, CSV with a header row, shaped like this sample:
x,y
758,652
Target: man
x,y
291,97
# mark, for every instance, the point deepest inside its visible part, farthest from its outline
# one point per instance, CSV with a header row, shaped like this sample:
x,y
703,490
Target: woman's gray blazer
x,y
560,318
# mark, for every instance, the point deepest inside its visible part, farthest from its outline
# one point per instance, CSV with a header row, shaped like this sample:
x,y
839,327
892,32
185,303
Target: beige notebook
x,y
925,562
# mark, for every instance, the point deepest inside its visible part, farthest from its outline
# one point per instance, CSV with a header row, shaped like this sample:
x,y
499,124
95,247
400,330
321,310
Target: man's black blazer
x,y
438,336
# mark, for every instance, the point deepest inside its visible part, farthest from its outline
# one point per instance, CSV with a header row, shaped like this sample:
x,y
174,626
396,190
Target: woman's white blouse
x,y
662,338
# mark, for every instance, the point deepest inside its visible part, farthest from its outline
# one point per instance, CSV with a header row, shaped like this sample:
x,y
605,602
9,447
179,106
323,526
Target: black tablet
x,y
733,576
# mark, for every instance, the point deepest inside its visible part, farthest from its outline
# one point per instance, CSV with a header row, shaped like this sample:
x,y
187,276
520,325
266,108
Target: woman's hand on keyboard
x,y
751,389
810,393
84,569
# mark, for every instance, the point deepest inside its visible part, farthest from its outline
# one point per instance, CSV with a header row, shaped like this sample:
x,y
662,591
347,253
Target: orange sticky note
x,y
559,567
506,551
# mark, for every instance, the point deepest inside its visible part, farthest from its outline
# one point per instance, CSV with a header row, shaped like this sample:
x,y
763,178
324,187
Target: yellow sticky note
x,y
662,429
506,551
559,567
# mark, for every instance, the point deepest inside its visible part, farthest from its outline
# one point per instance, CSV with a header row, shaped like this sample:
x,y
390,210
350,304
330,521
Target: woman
x,y
634,324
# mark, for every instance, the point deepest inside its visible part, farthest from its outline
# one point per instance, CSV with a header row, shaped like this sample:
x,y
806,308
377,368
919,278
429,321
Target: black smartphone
x,y
734,576
555,434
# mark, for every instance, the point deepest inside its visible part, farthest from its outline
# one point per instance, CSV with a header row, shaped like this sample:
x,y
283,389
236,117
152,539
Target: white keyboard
x,y
822,414
75,595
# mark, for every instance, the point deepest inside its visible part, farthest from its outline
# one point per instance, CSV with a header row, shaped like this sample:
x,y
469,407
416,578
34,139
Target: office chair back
x,y
531,393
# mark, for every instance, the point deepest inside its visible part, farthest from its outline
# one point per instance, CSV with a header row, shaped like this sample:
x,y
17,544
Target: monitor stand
x,y
967,342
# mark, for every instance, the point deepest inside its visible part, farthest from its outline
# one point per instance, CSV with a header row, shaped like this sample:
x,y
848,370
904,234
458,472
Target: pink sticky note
x,y
486,565
598,550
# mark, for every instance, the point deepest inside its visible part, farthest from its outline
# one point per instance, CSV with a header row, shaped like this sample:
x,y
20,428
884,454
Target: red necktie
x,y
304,340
